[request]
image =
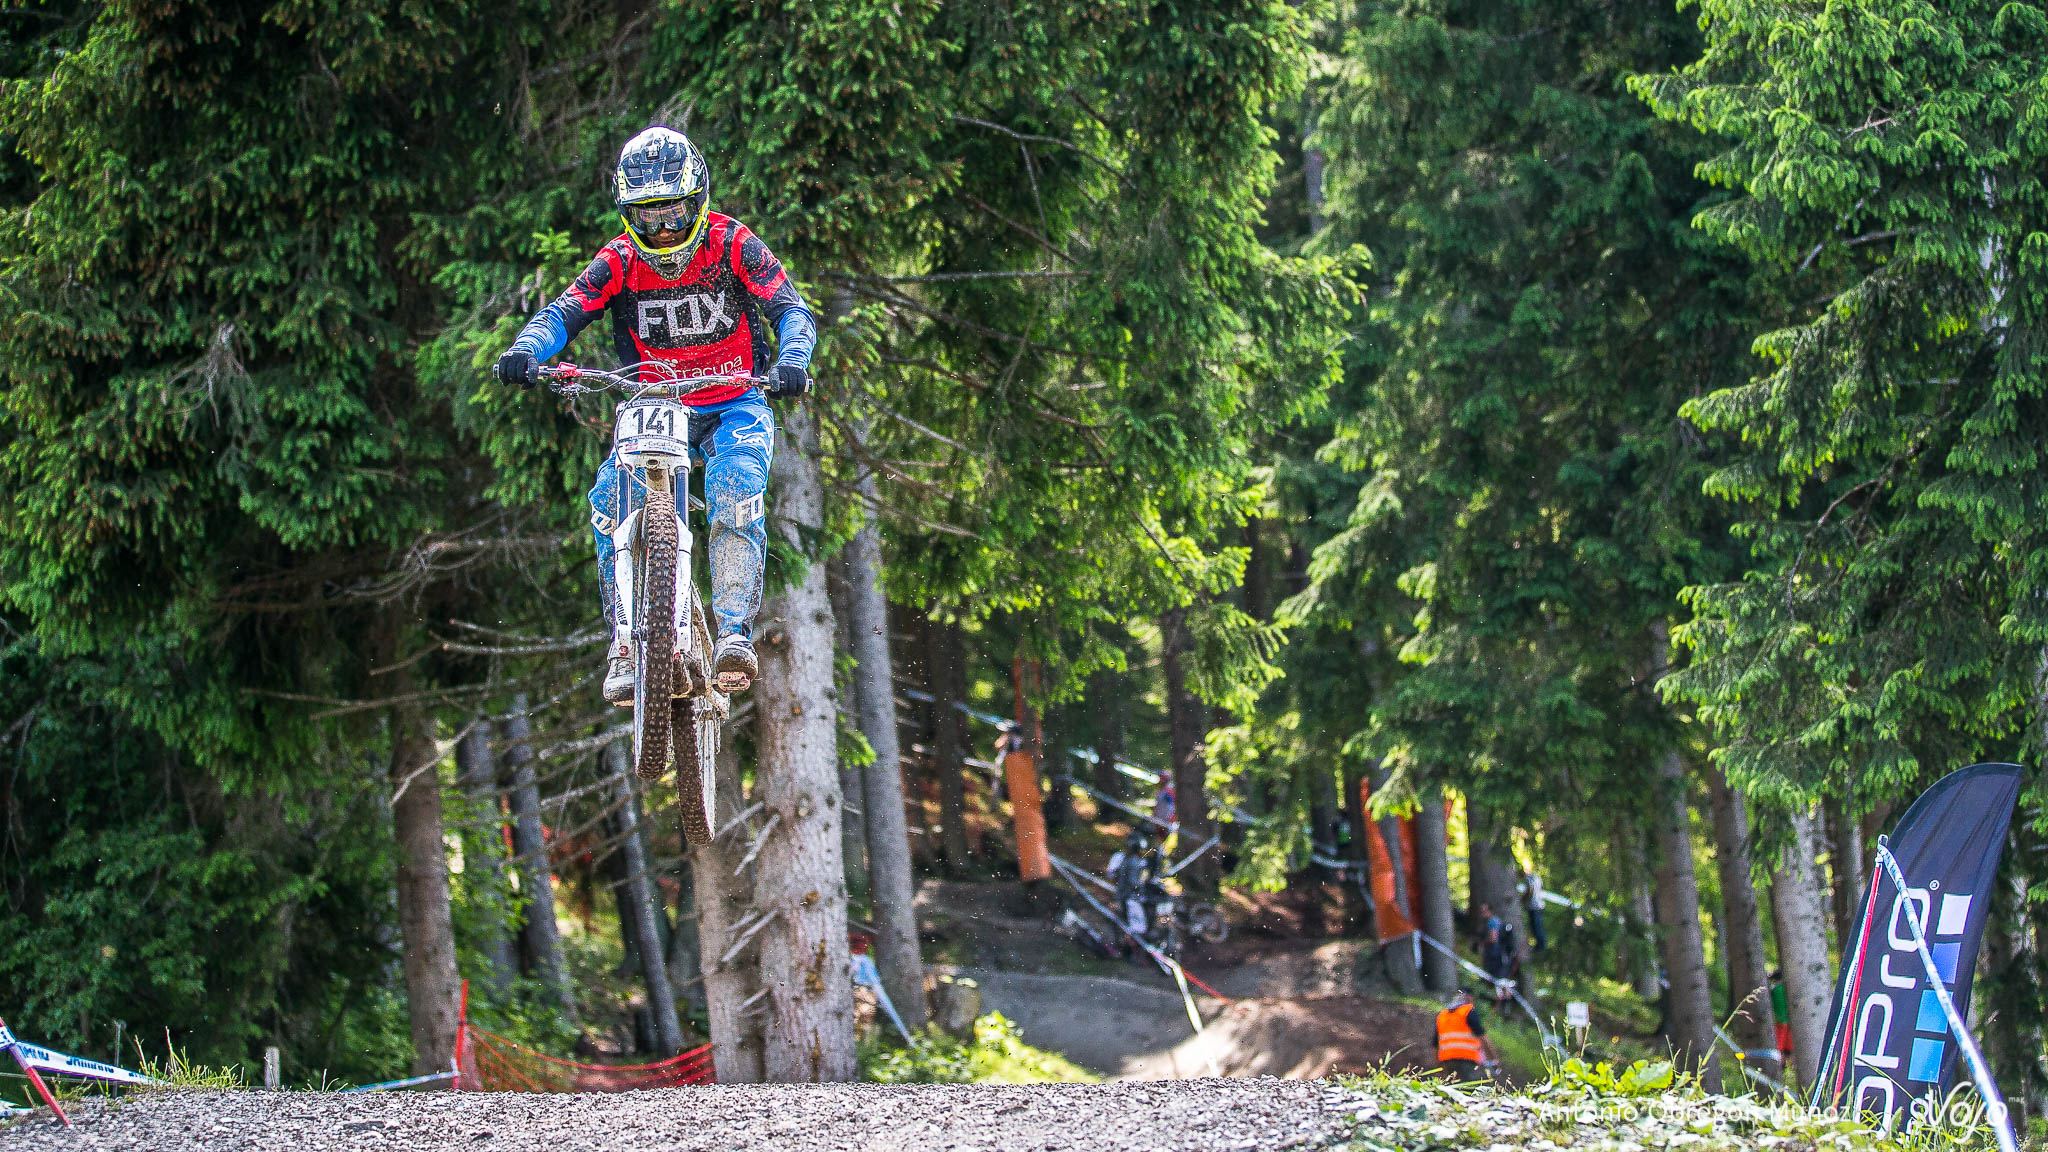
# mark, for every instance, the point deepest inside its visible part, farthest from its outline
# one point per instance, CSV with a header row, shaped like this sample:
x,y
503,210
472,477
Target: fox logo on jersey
x,y
667,323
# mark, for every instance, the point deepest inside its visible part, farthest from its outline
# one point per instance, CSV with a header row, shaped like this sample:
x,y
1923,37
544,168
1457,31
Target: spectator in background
x,y
1489,940
1781,1016
1532,888
1493,948
1163,807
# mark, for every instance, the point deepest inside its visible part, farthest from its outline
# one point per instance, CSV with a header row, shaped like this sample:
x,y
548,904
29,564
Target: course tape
x,y
1550,1039
1744,1056
50,1060
408,1082
867,975
1181,976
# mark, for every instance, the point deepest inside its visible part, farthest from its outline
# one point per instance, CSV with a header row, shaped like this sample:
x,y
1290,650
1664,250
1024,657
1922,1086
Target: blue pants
x,y
737,441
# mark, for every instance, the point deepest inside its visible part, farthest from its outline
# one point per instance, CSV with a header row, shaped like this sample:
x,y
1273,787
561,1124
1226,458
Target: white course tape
x,y
48,1060
1742,1058
1550,1039
868,976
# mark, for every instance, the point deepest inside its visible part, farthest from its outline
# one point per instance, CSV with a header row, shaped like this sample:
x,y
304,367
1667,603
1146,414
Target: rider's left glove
x,y
520,367
787,381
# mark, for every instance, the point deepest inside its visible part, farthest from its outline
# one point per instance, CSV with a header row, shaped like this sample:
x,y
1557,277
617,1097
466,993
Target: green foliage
x,y
1641,1105
1640,1078
1887,160
1504,507
996,1055
136,889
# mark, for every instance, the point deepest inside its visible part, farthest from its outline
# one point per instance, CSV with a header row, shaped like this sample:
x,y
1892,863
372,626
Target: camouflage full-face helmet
x,y
663,192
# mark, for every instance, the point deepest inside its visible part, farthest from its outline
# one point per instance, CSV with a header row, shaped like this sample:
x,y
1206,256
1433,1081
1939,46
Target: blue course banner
x,y
1889,1044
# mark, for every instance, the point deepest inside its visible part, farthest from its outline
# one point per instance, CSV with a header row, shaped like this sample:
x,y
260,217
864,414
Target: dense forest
x,y
1623,420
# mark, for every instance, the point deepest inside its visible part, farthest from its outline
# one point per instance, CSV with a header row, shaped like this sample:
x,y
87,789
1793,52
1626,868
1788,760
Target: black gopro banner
x,y
1889,1043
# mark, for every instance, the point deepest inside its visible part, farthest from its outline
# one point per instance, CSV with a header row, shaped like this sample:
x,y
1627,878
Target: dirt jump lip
x,y
1128,1031
1165,1116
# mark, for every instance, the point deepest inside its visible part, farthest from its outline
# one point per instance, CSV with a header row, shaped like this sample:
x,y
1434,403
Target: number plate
x,y
655,426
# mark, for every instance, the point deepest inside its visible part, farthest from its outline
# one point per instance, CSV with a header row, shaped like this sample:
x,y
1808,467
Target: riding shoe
x,y
618,680
733,662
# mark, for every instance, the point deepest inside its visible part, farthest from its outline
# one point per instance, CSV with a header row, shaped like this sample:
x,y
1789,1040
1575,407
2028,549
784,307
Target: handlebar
x,y
567,380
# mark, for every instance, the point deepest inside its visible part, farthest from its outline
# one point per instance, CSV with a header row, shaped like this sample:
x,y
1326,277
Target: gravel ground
x,y
1159,1116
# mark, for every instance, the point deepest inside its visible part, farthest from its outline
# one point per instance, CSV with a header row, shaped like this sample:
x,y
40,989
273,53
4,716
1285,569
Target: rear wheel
x,y
696,721
696,736
656,587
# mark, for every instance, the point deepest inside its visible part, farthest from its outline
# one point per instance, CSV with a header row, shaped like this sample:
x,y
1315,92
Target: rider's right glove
x,y
520,367
786,381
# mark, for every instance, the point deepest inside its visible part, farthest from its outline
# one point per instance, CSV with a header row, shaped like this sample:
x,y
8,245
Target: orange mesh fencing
x,y
488,1062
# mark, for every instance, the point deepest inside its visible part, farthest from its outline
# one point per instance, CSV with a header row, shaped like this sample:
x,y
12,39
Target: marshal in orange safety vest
x,y
1455,1039
1461,1039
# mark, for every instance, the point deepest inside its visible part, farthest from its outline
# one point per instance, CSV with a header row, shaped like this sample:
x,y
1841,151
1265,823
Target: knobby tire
x,y
652,702
696,739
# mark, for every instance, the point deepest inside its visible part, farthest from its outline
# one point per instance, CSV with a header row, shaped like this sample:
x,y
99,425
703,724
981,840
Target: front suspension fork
x,y
626,540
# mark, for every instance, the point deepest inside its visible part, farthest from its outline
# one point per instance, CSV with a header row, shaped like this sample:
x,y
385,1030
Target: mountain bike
x,y
1174,920
677,703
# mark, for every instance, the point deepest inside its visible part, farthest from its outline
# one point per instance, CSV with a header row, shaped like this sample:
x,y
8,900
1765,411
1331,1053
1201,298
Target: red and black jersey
x,y
713,319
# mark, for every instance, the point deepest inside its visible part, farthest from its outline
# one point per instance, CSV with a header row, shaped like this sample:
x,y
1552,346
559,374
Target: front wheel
x,y
653,691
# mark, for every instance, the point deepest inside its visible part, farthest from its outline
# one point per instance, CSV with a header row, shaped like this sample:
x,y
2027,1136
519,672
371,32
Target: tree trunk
x,y
1109,736
476,773
947,663
801,883
540,940
1258,571
1691,1007
1433,876
1322,808
888,835
1353,796
1185,724
1354,811
1490,856
685,957
1023,746
1053,761
732,971
1845,858
1749,985
1638,946
1799,908
853,833
424,916
1312,173
1402,970
637,897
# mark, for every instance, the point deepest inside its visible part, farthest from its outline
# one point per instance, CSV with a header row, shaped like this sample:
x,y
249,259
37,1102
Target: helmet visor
x,y
666,223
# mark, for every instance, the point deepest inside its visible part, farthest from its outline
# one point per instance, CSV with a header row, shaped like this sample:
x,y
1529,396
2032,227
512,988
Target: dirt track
x,y
1171,1116
1128,1031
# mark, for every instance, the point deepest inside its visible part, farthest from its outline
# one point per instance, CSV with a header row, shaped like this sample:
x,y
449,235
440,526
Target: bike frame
x,y
650,461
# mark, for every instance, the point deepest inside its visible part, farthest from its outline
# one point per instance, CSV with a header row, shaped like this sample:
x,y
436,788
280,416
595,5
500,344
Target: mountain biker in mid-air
x,y
692,293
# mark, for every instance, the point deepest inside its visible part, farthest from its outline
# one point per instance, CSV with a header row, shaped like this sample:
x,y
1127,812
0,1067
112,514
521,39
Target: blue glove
x,y
520,367
787,381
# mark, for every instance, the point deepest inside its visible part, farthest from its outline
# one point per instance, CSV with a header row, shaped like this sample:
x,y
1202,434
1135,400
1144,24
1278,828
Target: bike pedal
x,y
731,682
